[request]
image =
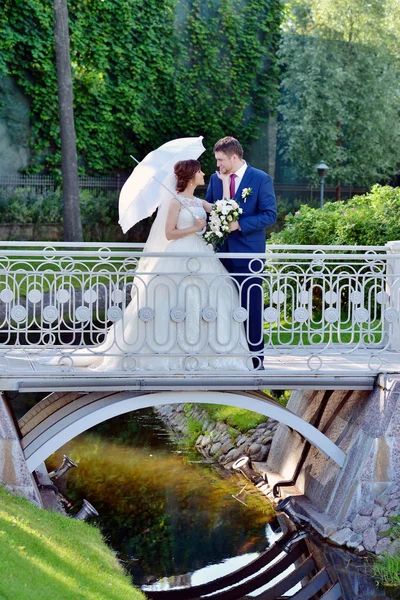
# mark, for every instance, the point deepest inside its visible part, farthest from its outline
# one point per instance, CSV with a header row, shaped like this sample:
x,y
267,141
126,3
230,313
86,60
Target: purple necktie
x,y
232,185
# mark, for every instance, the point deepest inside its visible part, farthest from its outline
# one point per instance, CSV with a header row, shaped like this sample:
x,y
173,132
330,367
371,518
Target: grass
x,y
44,555
239,418
386,569
315,333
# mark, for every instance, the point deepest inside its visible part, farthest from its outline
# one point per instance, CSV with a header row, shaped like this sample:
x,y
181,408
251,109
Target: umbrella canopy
x,y
142,192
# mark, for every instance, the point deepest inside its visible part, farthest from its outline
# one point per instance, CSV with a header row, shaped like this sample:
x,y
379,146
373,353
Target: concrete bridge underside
x,y
61,416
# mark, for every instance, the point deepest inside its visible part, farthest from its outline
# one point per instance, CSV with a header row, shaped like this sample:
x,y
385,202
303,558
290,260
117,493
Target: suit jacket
x,y
259,212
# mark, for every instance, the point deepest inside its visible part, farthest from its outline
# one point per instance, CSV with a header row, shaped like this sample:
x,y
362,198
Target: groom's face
x,y
224,162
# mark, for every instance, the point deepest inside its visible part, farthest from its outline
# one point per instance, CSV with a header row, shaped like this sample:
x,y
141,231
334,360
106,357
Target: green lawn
x,y
44,555
342,333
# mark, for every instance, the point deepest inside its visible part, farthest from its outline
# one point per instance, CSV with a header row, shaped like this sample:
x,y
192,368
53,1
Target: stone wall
x,y
219,442
14,474
365,425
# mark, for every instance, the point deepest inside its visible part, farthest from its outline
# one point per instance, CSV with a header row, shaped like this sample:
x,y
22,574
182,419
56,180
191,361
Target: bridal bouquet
x,y
222,213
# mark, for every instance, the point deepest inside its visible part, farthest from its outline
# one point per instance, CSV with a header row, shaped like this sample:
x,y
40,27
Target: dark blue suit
x,y
259,212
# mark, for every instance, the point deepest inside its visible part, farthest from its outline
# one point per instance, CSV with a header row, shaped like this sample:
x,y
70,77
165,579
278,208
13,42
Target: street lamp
x,y
322,171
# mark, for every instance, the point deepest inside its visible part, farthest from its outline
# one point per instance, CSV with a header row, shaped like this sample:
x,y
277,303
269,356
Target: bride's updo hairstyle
x,y
184,171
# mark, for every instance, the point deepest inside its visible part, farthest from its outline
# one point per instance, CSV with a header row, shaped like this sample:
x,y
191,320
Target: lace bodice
x,y
185,217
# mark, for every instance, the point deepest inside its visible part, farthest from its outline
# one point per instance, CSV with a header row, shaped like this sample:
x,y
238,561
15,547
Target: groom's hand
x,y
234,226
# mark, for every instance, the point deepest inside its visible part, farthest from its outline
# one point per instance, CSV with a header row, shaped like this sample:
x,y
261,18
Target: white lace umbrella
x,y
141,193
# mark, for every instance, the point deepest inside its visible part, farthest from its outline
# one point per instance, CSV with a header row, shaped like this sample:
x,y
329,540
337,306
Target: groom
x,y
254,191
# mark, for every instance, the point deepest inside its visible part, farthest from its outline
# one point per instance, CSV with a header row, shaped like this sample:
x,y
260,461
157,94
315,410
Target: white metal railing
x,y
63,300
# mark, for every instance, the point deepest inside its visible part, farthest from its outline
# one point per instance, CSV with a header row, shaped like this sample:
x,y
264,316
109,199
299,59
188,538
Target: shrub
x,y
370,219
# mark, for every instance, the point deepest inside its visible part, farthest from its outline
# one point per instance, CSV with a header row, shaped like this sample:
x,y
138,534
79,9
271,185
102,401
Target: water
x,y
173,519
167,513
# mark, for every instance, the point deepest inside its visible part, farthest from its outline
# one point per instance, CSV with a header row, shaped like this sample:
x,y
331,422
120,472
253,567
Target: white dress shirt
x,y
239,175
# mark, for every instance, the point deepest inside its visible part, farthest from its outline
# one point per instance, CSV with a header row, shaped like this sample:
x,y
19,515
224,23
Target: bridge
x,y
330,322
331,318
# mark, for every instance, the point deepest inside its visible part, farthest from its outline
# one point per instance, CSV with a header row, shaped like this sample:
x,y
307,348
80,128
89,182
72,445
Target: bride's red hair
x,y
184,171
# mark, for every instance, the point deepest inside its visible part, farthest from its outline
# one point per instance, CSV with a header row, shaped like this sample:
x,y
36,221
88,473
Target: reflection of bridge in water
x,y
270,574
331,321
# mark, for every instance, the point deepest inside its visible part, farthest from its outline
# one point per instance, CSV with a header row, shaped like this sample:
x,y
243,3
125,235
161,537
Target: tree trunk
x,y
69,160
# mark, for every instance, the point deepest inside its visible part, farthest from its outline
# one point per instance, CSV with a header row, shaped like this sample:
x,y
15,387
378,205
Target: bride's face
x,y
199,178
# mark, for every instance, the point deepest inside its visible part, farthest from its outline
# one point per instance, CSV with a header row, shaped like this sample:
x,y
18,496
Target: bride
x,y
182,313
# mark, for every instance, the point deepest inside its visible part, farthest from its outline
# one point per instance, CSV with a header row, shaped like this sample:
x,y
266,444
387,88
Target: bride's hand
x,y
224,177
199,224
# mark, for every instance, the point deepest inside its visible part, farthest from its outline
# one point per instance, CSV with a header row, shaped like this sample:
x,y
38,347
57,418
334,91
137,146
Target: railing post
x,y
393,289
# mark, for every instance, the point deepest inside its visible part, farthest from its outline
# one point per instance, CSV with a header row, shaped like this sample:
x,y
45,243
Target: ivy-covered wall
x,y
144,71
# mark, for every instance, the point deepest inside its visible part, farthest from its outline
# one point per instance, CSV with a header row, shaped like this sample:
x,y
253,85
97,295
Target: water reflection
x,y
163,512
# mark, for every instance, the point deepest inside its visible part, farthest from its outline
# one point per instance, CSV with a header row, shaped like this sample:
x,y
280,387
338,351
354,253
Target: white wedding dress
x,y
184,316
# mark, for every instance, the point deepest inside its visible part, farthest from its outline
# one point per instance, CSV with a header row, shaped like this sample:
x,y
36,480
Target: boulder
x,y
370,539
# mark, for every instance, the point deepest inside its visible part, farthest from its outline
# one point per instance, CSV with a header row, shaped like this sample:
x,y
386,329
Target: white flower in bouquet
x,y
222,213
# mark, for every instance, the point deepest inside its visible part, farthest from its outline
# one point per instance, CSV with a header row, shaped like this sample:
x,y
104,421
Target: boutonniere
x,y
246,193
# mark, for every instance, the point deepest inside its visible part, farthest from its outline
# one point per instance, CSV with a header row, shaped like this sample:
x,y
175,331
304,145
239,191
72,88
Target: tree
x,y
340,89
143,72
69,159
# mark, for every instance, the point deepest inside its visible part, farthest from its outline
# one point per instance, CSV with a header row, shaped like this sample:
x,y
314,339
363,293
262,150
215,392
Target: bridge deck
x,y
290,369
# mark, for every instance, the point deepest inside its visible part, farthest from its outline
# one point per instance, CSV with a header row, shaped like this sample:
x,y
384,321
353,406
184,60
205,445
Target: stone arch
x,y
83,411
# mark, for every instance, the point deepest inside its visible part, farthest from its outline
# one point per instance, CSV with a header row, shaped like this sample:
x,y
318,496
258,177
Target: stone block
x,y
279,459
233,455
382,525
369,491
348,477
342,536
205,441
382,545
360,524
394,548
242,439
366,510
368,470
215,448
254,449
226,447
379,411
7,428
377,512
393,504
354,541
370,539
395,458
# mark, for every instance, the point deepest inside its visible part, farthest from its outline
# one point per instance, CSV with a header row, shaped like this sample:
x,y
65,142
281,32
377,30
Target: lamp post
x,y
322,171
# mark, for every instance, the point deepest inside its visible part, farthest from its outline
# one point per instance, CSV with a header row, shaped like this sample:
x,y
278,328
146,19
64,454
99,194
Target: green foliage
x,y
387,567
144,71
394,531
370,219
340,90
46,555
238,418
194,429
25,205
